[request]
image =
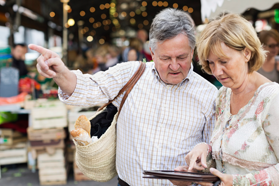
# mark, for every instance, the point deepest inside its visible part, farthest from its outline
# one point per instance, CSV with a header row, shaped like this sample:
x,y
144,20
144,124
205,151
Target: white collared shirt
x,y
158,124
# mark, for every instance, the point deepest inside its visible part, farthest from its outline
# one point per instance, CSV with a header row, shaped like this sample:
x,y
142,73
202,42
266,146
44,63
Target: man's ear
x,y
247,54
152,53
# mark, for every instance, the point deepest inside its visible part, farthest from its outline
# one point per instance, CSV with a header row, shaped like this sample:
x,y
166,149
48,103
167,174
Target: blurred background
x,y
35,146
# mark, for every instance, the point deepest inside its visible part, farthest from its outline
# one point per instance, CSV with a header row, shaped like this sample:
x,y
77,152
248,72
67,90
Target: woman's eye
x,y
223,62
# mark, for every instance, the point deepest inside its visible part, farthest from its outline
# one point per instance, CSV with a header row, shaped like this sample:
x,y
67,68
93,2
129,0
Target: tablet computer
x,y
178,175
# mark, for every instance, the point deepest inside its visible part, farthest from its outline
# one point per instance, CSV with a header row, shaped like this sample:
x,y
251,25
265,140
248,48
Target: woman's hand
x,y
227,180
196,158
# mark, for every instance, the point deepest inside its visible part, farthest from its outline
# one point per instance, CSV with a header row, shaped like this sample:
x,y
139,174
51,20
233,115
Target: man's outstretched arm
x,y
50,65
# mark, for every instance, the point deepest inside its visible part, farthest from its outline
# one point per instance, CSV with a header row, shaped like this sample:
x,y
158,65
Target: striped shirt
x,y
158,124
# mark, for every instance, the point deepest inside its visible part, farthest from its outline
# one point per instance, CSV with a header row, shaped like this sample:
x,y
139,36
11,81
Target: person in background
x,y
270,41
112,56
244,143
101,56
143,36
133,55
18,53
136,44
169,110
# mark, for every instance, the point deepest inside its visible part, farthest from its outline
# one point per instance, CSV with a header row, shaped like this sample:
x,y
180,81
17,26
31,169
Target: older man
x,y
169,111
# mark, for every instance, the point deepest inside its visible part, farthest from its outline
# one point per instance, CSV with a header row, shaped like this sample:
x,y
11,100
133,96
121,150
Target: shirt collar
x,y
185,80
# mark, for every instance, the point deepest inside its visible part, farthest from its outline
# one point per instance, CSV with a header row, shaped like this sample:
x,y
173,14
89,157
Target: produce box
x,y
10,137
13,154
52,114
52,169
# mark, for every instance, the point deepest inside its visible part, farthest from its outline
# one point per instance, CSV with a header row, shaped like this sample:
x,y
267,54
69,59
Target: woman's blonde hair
x,y
236,33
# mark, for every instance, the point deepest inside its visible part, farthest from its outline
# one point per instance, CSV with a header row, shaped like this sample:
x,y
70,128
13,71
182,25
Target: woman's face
x,y
132,55
230,71
272,47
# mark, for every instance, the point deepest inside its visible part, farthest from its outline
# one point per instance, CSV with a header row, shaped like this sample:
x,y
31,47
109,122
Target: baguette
x,y
84,123
81,133
81,136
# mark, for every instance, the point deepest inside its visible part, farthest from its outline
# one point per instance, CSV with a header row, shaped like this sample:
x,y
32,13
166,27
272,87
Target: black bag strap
x,y
128,86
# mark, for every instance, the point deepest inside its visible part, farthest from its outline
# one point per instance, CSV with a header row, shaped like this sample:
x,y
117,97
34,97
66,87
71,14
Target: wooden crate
x,y
52,114
53,176
70,149
13,154
50,161
52,169
78,175
46,134
10,137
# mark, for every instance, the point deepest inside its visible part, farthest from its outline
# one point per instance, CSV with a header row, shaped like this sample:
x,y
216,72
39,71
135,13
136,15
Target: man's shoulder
x,y
205,83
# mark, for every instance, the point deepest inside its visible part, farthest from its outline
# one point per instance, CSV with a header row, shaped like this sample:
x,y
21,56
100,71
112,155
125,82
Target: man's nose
x,y
174,66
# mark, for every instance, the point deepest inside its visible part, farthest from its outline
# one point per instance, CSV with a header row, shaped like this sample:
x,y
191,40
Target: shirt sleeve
x,y
101,87
210,118
270,175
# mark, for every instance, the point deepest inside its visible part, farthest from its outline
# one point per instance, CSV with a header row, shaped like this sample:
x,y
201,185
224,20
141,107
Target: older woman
x,y
270,41
244,143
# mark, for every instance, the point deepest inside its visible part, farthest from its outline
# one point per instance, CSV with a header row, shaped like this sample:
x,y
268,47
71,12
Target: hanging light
x,y
91,19
51,14
82,13
132,14
190,10
144,14
71,22
185,8
132,21
89,38
101,41
144,3
92,9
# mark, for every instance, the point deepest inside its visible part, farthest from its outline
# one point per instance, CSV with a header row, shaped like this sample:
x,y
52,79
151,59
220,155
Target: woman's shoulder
x,y
268,90
222,92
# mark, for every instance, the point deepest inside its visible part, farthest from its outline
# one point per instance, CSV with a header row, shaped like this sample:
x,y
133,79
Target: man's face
x,y
173,59
18,52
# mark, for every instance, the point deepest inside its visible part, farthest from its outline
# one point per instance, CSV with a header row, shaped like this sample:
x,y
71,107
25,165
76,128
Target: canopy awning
x,y
212,8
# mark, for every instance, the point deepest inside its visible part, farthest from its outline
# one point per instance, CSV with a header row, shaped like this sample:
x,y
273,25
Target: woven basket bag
x,y
97,160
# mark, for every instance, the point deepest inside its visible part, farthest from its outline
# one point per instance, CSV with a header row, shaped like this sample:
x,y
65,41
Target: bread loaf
x,y
81,133
81,136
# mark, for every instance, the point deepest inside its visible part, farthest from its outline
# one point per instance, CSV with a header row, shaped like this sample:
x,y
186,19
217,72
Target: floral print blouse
x,y
246,145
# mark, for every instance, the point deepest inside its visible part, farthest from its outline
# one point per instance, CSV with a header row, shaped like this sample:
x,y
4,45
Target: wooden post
x,y
65,31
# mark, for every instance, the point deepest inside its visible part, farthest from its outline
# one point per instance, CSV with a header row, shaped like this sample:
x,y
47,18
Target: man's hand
x,y
51,66
49,63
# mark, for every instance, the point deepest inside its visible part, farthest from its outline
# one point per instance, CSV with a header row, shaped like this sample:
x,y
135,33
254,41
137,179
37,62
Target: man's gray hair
x,y
170,23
